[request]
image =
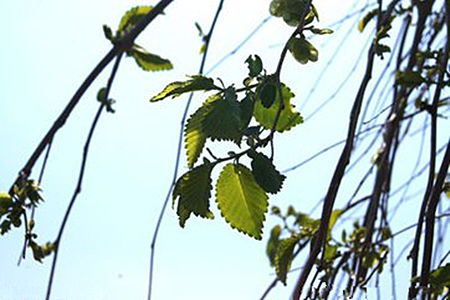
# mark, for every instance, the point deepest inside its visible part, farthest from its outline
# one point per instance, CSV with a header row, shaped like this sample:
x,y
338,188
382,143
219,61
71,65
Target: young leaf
x,y
196,83
5,202
284,256
321,31
242,202
108,32
101,95
223,121
369,16
288,117
273,243
302,50
132,17
409,79
194,135
265,173
441,276
255,65
148,61
193,191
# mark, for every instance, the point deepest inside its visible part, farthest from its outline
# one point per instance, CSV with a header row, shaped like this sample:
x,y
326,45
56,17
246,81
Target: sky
x,y
49,48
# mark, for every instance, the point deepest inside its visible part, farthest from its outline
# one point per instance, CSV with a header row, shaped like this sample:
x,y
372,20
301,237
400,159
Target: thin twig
x,y
178,156
118,48
77,191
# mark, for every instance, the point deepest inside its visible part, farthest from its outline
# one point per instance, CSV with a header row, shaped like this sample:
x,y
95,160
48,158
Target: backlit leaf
x,y
132,17
273,243
441,276
196,83
148,61
288,117
369,16
284,256
242,202
194,135
5,202
265,173
321,31
302,50
193,191
223,121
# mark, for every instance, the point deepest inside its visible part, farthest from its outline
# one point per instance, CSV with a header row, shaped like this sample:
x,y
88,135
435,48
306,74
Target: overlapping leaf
x,y
265,173
193,191
148,61
196,83
223,122
194,135
284,256
288,117
242,202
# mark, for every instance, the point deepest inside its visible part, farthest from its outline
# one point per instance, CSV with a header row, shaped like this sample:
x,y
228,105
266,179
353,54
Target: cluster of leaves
x,y
299,229
440,281
382,33
146,60
428,74
226,115
292,11
13,208
296,231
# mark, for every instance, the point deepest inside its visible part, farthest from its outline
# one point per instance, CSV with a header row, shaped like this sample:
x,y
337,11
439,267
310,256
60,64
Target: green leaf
x,y
335,214
321,31
284,256
242,202
5,202
40,252
5,226
441,276
410,78
255,65
196,83
302,50
268,93
193,191
194,135
246,108
272,244
380,49
366,19
265,173
331,252
148,61
277,8
101,94
288,117
132,17
108,33
223,121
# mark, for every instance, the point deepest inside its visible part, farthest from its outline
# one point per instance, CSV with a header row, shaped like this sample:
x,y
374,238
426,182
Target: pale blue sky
x,y
48,49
